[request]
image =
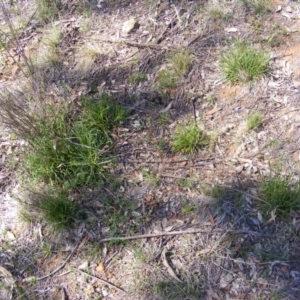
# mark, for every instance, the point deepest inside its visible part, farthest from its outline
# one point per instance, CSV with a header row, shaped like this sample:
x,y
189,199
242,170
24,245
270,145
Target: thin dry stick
x,y
103,281
149,235
64,263
169,162
133,44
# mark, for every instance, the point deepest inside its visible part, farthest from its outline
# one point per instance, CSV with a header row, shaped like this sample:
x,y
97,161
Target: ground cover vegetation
x,y
158,161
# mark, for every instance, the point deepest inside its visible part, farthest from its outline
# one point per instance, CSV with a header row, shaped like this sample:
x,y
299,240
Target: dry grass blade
x,y
192,231
16,114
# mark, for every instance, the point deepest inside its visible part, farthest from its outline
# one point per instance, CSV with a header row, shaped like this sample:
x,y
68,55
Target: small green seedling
x,y
150,178
166,80
47,10
181,62
189,138
254,121
211,98
137,77
260,7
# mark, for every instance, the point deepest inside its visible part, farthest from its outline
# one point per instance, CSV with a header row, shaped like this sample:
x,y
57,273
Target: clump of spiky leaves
x,y
74,151
216,10
279,194
53,206
137,77
260,7
49,52
181,62
243,63
166,80
277,33
254,121
67,147
188,138
87,55
47,10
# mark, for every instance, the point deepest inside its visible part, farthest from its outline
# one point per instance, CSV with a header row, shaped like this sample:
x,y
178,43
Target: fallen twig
x,y
134,44
103,281
168,162
64,263
192,231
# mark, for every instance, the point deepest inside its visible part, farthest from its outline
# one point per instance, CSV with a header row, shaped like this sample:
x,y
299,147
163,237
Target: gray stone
x,y
130,26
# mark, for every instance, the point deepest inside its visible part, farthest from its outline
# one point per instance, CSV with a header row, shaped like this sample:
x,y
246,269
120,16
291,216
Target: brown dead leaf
x,y
284,268
191,193
14,70
177,188
169,269
182,164
228,288
150,197
100,268
211,218
273,216
84,240
213,111
90,290
205,251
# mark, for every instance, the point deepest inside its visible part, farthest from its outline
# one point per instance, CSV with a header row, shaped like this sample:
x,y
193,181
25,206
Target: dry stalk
x,y
192,231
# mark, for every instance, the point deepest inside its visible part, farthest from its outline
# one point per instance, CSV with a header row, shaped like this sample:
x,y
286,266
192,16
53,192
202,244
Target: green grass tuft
x,y
254,121
53,206
189,138
57,210
278,193
242,63
47,10
260,7
74,152
137,77
166,80
181,62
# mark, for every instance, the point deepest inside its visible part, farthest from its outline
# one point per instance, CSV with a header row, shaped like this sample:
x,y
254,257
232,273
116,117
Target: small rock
x,y
105,293
288,9
240,262
231,29
258,247
164,222
136,124
279,8
84,265
130,26
239,169
225,280
296,276
10,235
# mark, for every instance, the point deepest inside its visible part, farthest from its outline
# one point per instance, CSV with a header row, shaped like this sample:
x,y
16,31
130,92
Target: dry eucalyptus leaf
x,y
169,269
100,268
90,290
